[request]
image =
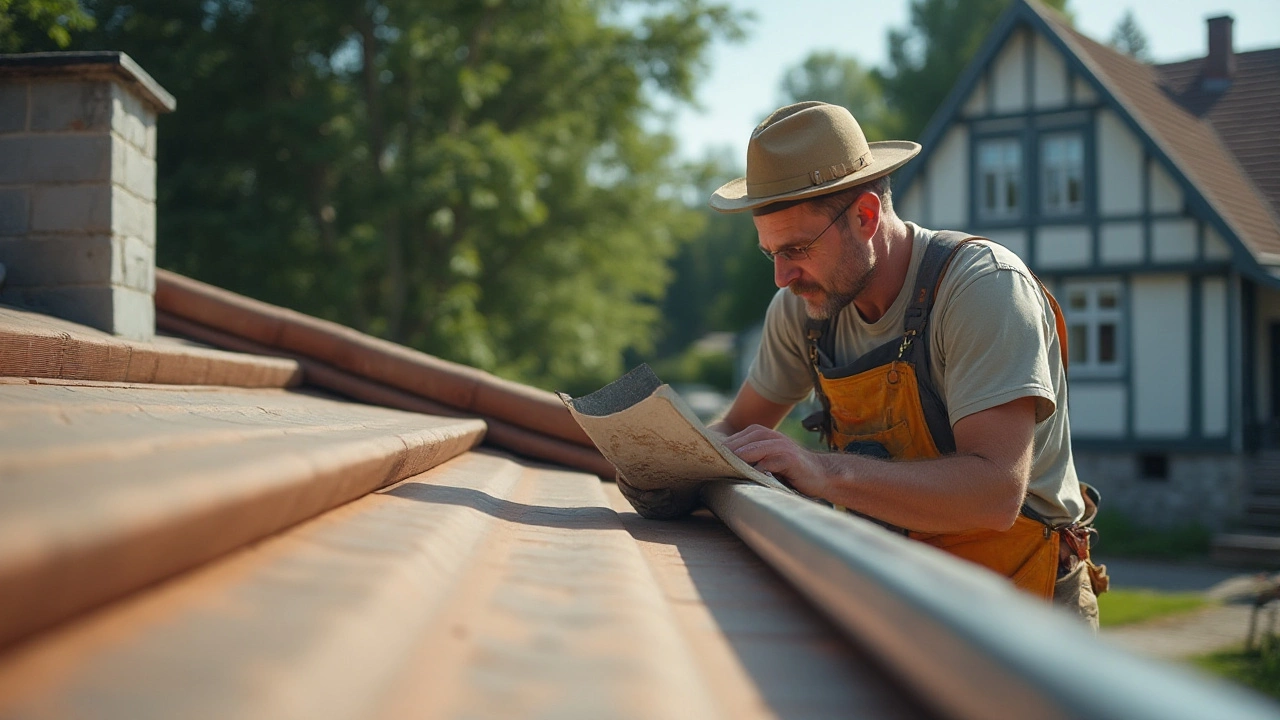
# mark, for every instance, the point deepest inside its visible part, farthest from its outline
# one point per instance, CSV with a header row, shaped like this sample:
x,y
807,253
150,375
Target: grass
x,y
1118,536
1254,669
1124,607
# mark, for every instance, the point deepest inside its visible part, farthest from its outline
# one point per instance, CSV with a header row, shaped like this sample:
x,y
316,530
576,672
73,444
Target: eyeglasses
x,y
801,252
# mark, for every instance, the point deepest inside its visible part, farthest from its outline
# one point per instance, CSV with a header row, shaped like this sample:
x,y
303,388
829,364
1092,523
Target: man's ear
x,y
867,209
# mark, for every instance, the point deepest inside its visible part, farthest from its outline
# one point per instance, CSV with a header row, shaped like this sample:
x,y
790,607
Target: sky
x,y
742,86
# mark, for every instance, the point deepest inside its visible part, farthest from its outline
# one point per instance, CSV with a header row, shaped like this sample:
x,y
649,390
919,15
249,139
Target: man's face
x,y
839,264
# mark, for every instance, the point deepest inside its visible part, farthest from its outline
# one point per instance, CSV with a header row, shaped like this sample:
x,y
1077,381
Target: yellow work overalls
x,y
886,405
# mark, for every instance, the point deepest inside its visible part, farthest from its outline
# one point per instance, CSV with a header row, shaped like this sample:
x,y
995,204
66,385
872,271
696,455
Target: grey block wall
x,y
77,188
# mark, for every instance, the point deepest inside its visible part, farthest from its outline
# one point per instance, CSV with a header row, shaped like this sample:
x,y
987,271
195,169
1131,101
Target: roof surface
x,y
176,547
1246,115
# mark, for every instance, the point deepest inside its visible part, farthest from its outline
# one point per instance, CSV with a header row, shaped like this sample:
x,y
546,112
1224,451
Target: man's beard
x,y
847,285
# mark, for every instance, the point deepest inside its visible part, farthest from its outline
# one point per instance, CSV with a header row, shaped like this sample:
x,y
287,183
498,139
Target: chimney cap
x,y
97,63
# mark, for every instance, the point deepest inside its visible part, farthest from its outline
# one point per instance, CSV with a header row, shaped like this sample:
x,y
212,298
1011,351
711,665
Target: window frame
x,y
1093,317
1043,167
1004,215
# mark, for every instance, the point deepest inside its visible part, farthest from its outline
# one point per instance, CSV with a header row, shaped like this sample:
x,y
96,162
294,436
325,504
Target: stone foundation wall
x,y
1206,489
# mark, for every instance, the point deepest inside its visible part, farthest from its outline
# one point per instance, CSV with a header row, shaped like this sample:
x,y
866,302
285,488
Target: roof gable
x,y
1189,148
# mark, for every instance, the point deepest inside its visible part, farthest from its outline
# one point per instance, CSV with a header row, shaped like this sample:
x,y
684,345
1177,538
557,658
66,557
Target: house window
x,y
1093,314
1000,178
1061,174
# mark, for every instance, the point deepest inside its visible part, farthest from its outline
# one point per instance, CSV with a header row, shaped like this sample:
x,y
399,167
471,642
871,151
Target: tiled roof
x,y
1190,142
1246,114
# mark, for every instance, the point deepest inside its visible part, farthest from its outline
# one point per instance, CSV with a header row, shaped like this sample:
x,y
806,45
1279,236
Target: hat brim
x,y
889,156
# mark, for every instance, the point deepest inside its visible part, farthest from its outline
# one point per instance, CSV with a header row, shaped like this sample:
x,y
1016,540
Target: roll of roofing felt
x,y
500,434
458,386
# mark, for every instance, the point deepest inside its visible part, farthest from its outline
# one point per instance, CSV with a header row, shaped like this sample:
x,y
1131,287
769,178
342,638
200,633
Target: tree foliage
x,y
1129,39
720,282
475,179
927,57
36,25
839,80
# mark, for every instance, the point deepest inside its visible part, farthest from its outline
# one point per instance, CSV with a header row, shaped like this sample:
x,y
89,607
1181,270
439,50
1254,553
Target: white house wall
x,y
1009,76
1215,248
1215,370
1122,243
1165,194
1161,370
1174,241
948,181
1098,410
1120,165
1064,247
1083,92
1051,88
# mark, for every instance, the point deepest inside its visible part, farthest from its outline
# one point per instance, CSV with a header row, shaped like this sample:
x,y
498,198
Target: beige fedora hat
x,y
805,150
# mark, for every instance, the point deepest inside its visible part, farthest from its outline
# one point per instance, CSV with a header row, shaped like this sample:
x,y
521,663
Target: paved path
x,y
1182,636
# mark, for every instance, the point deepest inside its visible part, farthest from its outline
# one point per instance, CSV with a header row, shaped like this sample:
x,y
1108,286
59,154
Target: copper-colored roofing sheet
x,y
482,588
107,488
458,386
33,345
1191,143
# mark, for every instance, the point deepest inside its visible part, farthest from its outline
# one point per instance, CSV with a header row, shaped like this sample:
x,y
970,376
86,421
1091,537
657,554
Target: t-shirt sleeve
x,y
993,341
779,372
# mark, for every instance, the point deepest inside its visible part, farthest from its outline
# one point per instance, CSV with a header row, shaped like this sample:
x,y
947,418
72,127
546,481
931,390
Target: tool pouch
x,y
1077,538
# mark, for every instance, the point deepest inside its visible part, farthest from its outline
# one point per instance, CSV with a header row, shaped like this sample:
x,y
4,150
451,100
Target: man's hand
x,y
772,452
660,504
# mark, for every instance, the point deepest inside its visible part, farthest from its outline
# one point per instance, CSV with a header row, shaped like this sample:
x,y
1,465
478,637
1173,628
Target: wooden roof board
x,y
482,588
34,345
105,489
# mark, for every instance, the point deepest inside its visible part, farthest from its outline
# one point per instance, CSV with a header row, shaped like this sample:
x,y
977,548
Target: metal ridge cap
x,y
965,642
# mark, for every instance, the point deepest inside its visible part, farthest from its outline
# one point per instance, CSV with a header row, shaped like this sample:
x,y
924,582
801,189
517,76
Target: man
x,y
934,348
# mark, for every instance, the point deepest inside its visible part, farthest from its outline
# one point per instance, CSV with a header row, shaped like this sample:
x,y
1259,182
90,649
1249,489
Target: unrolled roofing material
x,y
457,386
482,588
105,489
33,345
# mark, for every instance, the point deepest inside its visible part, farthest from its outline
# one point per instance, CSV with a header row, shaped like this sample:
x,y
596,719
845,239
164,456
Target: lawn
x,y
1123,607
1255,669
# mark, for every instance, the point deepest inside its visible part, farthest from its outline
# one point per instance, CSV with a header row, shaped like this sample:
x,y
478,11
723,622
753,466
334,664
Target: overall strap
x,y
915,346
815,332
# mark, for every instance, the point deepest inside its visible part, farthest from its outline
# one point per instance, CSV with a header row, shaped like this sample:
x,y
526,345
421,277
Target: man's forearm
x,y
949,494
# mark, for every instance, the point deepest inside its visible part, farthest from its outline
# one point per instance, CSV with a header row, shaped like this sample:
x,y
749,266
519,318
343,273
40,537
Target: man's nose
x,y
784,272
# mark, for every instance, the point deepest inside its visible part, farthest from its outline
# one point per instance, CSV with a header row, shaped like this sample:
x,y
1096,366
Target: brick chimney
x,y
78,188
1220,65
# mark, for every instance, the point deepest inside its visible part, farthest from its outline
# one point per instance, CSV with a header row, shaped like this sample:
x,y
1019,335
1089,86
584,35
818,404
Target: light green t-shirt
x,y
992,340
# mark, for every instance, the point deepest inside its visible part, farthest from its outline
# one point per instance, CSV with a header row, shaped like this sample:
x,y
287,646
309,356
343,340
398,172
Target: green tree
x,y
1129,39
475,179
720,282
35,25
927,57
839,80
